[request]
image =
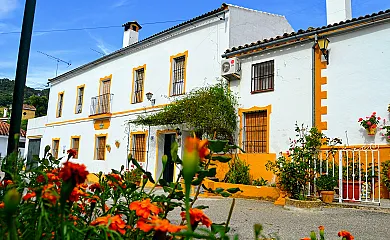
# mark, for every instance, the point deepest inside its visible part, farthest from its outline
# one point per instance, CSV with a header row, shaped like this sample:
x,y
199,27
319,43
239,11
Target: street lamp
x,y
323,44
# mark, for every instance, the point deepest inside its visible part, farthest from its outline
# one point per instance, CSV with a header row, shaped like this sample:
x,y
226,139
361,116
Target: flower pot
x,y
353,190
327,196
117,144
371,131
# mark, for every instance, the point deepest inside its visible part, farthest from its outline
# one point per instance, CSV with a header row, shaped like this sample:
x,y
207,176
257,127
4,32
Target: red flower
x,y
369,123
116,223
144,208
379,118
374,113
71,153
40,179
374,126
321,228
306,238
29,195
197,216
360,119
346,235
74,171
2,205
95,186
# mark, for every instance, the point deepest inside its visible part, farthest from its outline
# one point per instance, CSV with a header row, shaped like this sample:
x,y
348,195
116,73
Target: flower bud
x,y
164,160
190,159
11,201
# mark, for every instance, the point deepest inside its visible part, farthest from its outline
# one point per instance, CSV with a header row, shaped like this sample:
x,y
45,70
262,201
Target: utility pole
x,y
20,78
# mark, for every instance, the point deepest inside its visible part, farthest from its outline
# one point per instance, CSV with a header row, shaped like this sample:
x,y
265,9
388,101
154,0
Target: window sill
x,y
137,102
176,95
262,91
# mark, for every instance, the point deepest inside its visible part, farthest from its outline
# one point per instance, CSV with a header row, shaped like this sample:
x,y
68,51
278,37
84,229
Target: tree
x,y
40,103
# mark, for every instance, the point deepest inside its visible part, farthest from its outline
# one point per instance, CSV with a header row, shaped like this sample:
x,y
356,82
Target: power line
x,y
88,28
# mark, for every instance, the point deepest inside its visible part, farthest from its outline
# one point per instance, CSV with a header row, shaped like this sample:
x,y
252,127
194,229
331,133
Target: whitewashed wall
x,y
358,82
3,146
291,99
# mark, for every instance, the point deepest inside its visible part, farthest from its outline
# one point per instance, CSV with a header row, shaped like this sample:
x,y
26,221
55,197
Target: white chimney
x,y
5,112
130,35
338,10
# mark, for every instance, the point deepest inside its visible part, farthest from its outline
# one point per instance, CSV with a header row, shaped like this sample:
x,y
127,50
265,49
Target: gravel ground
x,y
295,225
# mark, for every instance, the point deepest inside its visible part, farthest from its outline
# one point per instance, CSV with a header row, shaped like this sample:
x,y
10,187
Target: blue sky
x,y
75,46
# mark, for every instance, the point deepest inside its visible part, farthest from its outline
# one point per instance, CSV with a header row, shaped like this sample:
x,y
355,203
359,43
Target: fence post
x,y
340,176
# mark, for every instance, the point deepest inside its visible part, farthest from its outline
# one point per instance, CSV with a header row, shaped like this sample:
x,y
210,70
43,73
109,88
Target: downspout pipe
x,y
313,81
370,21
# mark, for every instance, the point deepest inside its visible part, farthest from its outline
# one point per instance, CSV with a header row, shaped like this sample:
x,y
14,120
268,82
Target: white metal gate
x,y
357,170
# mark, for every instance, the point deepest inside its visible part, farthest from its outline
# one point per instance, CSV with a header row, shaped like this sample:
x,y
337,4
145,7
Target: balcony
x,y
101,105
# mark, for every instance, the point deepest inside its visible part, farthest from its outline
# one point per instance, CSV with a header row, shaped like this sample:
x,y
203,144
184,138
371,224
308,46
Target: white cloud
x,y
103,46
7,6
120,3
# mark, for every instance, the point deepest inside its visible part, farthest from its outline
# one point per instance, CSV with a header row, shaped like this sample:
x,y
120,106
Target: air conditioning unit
x,y
231,69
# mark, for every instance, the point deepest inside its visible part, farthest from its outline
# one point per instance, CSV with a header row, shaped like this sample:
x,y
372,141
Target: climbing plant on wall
x,y
207,110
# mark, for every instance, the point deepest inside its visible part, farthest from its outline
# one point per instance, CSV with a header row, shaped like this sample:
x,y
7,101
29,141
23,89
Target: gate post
x,y
340,176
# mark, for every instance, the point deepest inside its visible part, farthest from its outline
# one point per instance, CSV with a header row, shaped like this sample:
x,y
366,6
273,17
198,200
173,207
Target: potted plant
x,y
370,123
386,135
134,176
326,184
117,143
108,147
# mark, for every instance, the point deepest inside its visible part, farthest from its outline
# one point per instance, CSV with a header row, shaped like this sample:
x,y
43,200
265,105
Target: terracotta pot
x,y
117,144
371,131
327,196
353,190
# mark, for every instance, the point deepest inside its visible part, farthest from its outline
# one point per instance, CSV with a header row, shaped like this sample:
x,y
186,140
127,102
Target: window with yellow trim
x,y
100,151
255,132
60,104
139,76
75,144
178,75
139,147
80,97
55,148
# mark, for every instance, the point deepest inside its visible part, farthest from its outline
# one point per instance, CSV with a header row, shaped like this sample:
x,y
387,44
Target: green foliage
x,y
385,174
260,182
295,171
40,103
134,175
23,124
7,89
238,172
205,110
326,183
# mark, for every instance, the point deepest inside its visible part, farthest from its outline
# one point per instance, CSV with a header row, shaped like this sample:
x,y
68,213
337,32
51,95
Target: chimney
x,y
5,112
338,10
130,35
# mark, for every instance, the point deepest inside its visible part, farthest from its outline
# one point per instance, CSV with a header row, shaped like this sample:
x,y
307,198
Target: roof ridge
x,y
254,10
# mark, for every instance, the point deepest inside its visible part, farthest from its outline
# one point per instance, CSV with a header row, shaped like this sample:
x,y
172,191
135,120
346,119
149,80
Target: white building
x,y
286,79
89,107
4,133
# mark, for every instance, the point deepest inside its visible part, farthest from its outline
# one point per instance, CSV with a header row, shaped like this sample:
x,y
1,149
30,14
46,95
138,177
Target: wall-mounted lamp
x,y
323,45
149,96
178,132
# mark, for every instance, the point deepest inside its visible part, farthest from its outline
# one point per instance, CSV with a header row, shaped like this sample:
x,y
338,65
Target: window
x,y
139,147
79,100
55,148
255,132
262,77
100,152
178,75
75,143
138,84
60,103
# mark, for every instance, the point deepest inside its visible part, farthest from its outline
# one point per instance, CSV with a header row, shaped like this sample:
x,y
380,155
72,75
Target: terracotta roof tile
x,y
4,130
29,107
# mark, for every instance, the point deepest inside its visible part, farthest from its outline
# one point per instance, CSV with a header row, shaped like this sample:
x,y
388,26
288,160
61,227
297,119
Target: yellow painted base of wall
x,y
92,178
256,163
248,191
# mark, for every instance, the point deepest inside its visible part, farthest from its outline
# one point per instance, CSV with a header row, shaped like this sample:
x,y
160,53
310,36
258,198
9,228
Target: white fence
x,y
357,170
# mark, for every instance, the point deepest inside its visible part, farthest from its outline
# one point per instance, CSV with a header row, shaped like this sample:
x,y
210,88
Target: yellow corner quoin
x,y
241,112
133,81
102,124
320,81
94,146
77,97
185,54
100,116
62,104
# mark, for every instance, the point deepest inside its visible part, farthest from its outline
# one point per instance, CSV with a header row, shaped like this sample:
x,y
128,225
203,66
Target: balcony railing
x,y
101,104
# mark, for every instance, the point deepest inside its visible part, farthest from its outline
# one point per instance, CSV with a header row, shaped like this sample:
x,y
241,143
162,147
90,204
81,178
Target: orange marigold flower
x,y
321,228
116,176
2,205
50,194
144,208
95,186
52,177
116,223
197,216
29,195
93,199
306,238
162,225
194,143
77,172
346,235
76,194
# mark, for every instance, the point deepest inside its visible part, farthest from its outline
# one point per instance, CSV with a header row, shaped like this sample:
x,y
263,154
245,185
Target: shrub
x,y
260,182
238,172
326,183
385,172
134,175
